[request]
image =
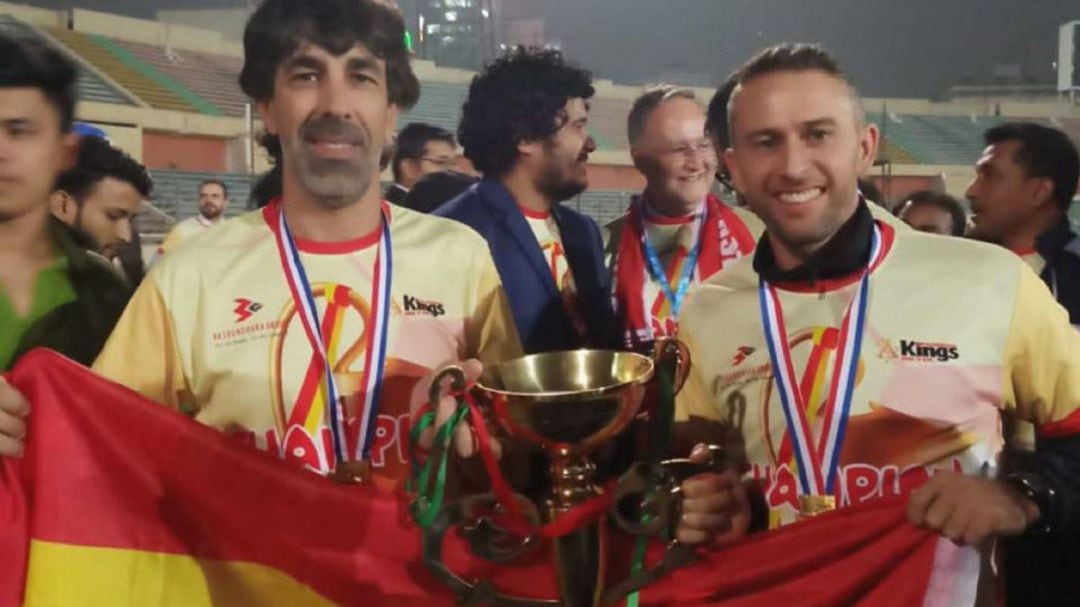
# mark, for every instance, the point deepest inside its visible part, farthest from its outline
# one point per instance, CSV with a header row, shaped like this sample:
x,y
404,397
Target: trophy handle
x,y
465,513
457,384
670,353
648,501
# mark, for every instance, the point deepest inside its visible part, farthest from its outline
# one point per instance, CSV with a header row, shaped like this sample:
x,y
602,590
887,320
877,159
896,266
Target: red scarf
x,y
724,238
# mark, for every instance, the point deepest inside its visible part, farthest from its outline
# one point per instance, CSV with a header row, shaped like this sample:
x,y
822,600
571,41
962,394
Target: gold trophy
x,y
569,403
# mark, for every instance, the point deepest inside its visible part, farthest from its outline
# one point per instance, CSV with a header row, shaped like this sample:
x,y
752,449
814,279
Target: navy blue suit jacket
x,y
539,312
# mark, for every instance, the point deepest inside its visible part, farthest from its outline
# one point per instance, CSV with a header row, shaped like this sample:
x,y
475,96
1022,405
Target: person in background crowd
x,y
418,150
435,189
676,233
933,212
101,194
524,126
213,201
54,292
1024,183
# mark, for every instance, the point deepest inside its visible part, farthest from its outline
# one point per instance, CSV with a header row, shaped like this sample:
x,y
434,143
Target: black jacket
x,y
78,329
1060,247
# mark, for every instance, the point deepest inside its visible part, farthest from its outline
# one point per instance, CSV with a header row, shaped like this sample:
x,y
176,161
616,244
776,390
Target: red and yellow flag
x,y
121,502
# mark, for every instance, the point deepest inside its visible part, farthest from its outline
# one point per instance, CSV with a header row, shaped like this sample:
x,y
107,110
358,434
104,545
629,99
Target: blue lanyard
x,y
659,274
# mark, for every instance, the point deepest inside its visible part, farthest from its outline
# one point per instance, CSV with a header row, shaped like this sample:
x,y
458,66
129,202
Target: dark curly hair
x,y
521,96
98,159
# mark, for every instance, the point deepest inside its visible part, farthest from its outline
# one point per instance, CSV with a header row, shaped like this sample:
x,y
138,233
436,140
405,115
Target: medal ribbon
x,y
817,464
375,325
659,274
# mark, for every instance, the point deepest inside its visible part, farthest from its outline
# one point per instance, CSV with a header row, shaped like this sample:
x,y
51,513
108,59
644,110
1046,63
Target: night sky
x,y
907,48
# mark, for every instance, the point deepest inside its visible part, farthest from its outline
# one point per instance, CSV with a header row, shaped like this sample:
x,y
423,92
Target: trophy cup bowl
x,y
567,401
570,403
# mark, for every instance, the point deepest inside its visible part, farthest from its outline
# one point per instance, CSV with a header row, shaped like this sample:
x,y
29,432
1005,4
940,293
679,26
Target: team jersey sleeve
x,y
141,352
171,241
490,331
1042,361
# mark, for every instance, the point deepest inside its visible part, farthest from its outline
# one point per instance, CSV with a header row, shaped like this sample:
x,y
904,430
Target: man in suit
x,y
525,127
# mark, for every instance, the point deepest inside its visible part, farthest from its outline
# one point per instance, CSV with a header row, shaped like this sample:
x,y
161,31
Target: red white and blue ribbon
x,y
376,326
817,463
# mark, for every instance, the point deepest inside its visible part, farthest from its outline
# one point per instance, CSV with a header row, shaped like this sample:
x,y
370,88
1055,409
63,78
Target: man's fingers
x,y
712,522
10,447
699,454
12,401
686,535
473,369
954,525
919,502
706,484
721,501
938,513
12,426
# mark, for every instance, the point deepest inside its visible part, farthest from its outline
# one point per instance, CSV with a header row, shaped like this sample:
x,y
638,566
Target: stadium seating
x,y
91,87
440,104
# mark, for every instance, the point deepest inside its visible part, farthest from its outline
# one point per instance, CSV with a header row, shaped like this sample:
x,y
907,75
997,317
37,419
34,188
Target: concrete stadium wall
x,y
35,16
184,152
153,32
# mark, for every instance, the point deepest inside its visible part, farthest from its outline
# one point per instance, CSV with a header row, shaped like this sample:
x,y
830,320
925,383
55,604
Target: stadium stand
x,y
92,87
440,104
129,73
122,69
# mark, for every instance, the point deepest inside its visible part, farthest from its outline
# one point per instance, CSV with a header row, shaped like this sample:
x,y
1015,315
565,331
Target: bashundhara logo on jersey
x,y
920,351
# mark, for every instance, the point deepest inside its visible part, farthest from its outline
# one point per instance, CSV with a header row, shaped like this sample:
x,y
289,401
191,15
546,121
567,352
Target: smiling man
x,y
836,396
525,127
676,233
303,328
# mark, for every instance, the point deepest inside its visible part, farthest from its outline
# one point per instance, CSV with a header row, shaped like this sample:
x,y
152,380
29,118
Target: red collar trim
x,y
888,237
531,214
338,247
1025,251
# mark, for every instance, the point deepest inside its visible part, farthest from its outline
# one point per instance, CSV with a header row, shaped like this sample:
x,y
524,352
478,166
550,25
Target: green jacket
x,y
78,329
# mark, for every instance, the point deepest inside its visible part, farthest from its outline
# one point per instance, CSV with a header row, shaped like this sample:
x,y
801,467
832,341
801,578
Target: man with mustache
x,y
830,393
524,125
676,233
101,194
305,328
213,200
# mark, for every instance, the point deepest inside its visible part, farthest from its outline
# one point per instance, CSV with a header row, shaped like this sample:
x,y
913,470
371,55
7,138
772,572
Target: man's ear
x,y
733,169
869,139
1042,192
528,149
62,206
266,114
